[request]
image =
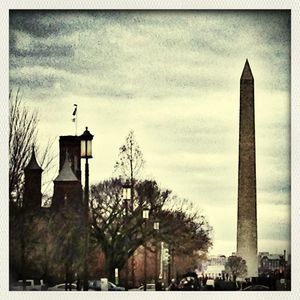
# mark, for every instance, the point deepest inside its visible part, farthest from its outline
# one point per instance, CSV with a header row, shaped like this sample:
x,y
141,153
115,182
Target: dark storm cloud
x,y
47,23
106,53
36,23
276,25
41,51
275,31
34,82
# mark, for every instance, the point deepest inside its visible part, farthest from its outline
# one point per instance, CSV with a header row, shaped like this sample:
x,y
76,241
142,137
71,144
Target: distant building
x,y
214,271
216,260
268,263
213,266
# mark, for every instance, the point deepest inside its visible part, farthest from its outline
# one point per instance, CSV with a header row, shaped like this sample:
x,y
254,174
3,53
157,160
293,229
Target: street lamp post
x,y
86,153
145,218
156,228
126,197
172,261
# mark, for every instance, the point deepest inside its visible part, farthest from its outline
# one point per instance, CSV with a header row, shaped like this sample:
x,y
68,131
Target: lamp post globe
x,y
86,144
126,191
146,213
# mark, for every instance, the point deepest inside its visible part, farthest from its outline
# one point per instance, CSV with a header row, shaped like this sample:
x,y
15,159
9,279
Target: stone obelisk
x,y
247,217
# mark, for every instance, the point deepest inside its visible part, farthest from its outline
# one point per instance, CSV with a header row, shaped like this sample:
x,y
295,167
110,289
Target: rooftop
x,y
33,165
66,173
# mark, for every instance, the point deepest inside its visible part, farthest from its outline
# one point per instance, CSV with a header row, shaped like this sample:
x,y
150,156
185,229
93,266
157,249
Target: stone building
x,y
67,185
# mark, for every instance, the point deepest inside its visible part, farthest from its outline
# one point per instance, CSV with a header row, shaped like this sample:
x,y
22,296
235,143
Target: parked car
x,y
96,286
61,287
256,287
150,287
210,282
31,285
188,283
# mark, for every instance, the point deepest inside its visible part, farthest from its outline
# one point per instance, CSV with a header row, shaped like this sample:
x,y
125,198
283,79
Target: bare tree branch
x,y
23,134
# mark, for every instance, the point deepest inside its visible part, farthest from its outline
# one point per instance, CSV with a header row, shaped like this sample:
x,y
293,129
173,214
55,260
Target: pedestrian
x,y
205,280
78,284
217,284
158,285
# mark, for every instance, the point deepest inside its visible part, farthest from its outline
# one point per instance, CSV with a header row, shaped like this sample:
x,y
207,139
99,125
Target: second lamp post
x,y
156,229
126,197
145,218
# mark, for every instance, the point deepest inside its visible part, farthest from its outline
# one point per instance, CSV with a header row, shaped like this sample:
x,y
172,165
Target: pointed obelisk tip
x,y
247,73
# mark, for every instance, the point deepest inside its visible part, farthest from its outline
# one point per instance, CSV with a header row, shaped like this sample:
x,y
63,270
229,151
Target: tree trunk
x,y
132,270
110,266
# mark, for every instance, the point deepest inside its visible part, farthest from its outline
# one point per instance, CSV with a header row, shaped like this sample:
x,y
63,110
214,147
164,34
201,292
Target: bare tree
x,y
23,133
131,161
129,166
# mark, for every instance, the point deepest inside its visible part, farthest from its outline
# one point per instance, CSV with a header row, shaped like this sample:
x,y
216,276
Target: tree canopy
x,y
115,233
236,266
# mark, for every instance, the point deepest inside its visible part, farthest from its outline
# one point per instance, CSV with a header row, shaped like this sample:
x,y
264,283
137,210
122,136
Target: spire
x,y
247,74
33,165
66,173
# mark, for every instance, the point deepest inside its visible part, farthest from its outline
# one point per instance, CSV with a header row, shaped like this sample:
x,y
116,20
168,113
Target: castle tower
x,y
70,144
247,218
33,181
67,188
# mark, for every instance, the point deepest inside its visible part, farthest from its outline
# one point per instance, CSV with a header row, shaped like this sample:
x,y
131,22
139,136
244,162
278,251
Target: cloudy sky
x,y
173,78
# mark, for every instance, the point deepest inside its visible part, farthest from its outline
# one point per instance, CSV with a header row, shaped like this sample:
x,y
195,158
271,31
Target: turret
x,y
67,187
70,144
33,180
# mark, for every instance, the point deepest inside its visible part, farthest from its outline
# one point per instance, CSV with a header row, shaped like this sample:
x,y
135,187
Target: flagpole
x,y
76,122
75,118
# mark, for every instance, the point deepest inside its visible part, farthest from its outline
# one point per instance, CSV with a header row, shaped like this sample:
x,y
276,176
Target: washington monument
x,y
247,219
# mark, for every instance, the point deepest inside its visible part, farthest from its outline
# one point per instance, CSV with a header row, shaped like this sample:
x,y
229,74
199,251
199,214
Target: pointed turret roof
x,y
33,165
66,173
247,73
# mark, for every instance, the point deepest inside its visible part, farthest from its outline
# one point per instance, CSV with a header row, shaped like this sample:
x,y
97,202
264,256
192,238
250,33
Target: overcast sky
x,y
173,78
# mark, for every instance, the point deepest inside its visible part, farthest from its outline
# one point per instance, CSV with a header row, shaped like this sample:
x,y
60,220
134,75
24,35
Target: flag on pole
x,y
74,113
